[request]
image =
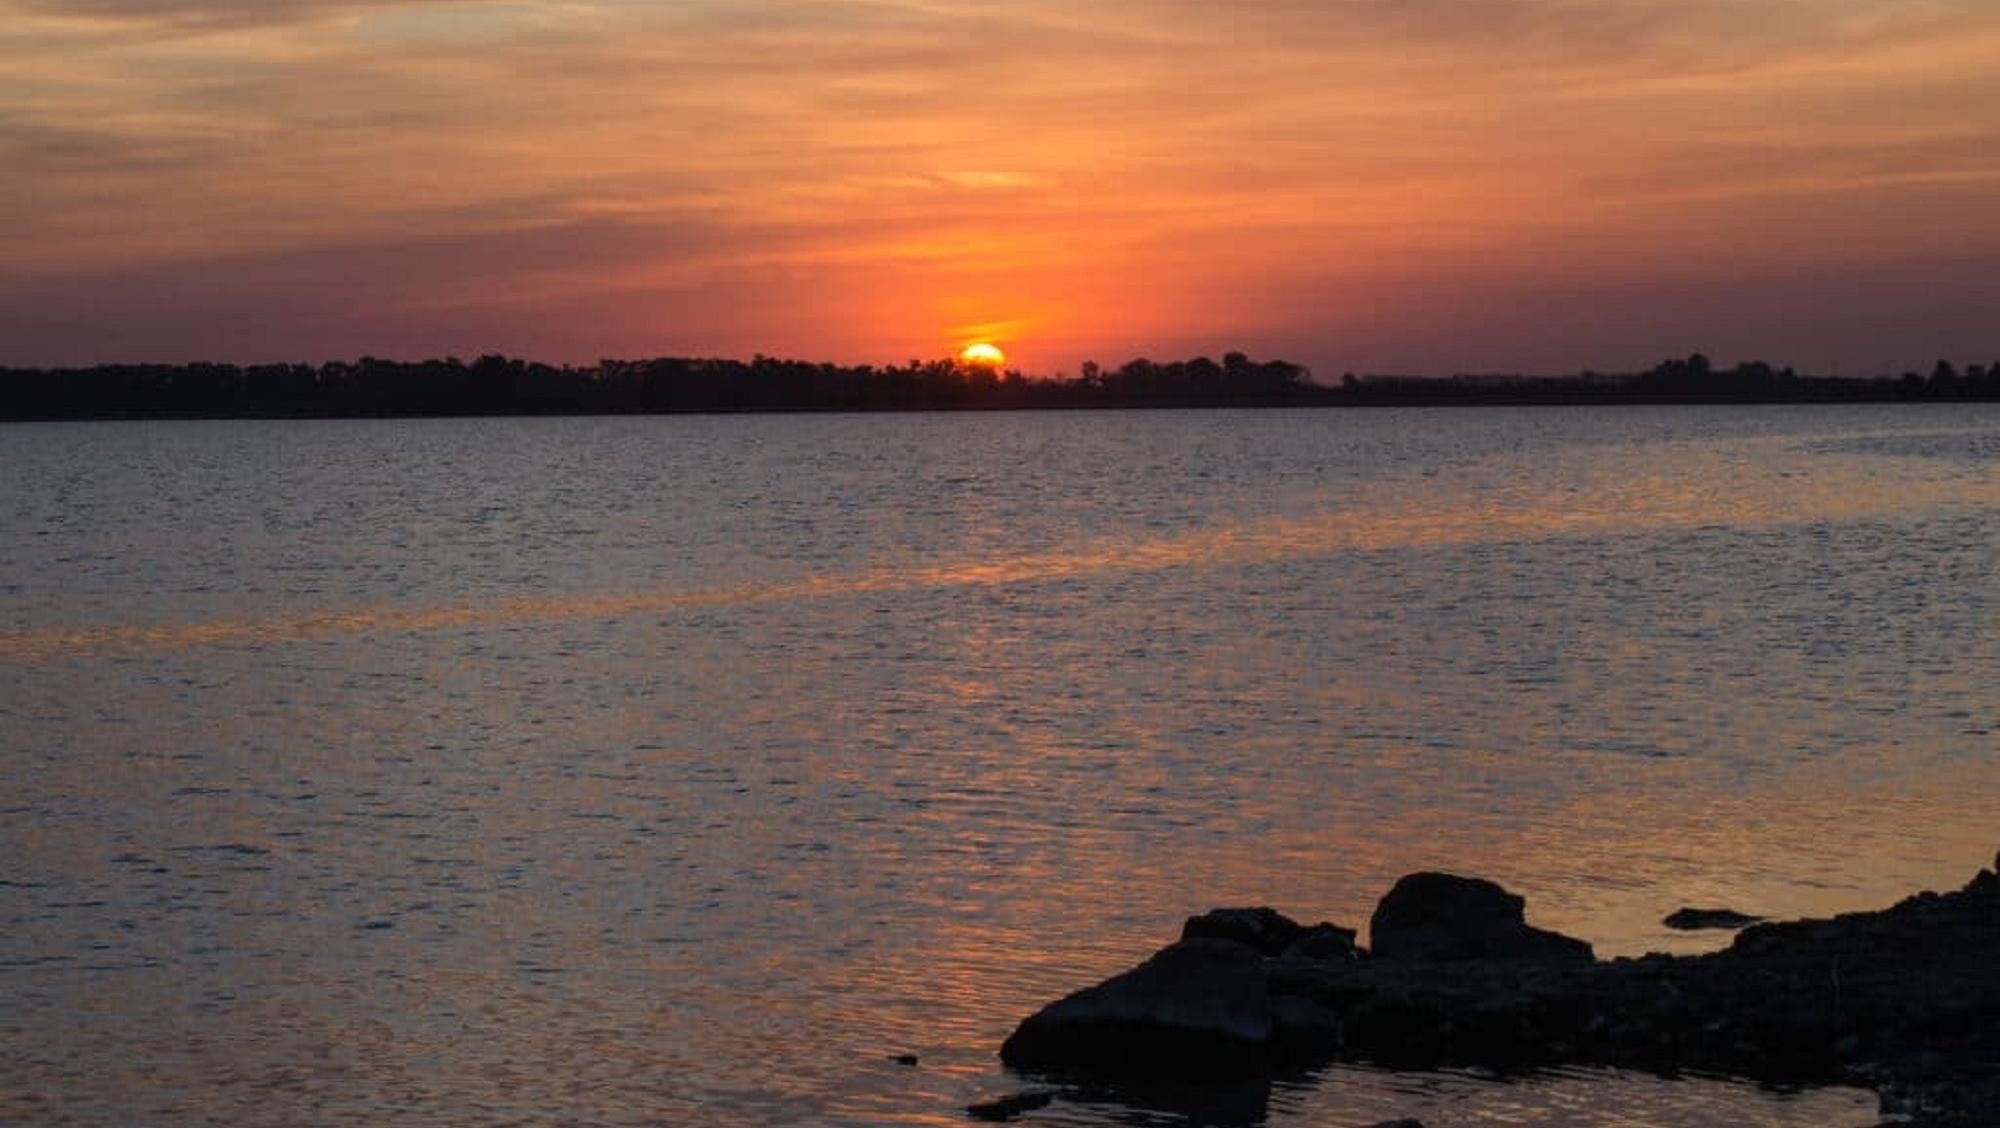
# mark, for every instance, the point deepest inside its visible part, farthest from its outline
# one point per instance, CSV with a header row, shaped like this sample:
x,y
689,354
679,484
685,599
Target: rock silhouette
x,y
1690,920
1271,933
1002,1109
1439,916
1905,1000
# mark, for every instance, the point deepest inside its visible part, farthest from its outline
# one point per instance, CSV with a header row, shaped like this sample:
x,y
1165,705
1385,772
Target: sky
x,y
1411,186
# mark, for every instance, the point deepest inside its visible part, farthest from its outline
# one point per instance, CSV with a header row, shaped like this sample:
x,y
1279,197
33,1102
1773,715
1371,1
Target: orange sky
x,y
1372,185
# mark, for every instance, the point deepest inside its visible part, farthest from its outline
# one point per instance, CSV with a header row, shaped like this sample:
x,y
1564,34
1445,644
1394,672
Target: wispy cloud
x,y
182,17
864,179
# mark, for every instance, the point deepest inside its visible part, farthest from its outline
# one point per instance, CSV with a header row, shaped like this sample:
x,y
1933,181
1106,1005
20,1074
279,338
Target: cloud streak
x,y
861,180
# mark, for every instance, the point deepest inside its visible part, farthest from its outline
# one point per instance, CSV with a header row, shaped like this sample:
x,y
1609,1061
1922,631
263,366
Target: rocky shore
x,y
1905,1000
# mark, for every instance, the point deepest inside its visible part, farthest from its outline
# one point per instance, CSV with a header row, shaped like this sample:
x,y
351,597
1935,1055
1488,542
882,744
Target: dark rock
x,y
1209,1102
1439,916
1905,1000
1011,1106
1302,1028
1406,1122
905,1059
1202,1005
1965,1098
1323,941
1689,920
1267,930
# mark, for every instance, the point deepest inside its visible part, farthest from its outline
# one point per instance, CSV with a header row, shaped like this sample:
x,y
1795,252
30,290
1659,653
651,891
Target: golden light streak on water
x,y
1659,488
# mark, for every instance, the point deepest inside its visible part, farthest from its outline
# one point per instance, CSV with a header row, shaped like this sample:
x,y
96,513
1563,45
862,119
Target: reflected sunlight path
x,y
1660,487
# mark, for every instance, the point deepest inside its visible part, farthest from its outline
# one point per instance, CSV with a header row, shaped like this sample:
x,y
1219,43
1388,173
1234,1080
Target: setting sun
x,y
983,354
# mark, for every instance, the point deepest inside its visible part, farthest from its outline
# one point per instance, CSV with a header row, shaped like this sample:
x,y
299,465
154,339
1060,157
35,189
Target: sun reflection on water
x,y
1629,492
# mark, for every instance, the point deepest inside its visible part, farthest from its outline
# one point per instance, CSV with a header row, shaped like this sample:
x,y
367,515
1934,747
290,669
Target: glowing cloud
x,y
1357,184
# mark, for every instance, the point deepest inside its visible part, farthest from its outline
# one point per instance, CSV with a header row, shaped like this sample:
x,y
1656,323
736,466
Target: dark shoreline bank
x,y
1904,1001
502,386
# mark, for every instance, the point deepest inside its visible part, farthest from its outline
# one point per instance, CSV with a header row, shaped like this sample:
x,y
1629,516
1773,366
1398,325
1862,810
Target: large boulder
x,y
1201,1005
1440,916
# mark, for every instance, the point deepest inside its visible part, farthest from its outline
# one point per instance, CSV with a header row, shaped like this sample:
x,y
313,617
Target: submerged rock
x,y
1010,1106
1440,916
1690,920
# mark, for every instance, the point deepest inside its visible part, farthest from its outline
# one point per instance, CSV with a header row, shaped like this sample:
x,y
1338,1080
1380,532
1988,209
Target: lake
x,y
685,770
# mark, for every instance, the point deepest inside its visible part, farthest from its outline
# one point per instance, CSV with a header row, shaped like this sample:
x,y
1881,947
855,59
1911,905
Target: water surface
x,y
683,770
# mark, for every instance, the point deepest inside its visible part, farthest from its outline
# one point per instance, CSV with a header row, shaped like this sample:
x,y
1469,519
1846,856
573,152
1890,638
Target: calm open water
x,y
683,770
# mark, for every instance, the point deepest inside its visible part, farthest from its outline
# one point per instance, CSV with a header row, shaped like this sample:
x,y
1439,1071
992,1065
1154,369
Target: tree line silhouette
x,y
500,385
1694,379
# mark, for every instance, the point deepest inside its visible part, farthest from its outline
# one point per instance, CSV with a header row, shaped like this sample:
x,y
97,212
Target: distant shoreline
x,y
494,386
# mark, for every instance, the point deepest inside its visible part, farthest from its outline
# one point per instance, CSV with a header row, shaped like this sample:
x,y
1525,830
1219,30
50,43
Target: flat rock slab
x,y
1002,1109
1691,920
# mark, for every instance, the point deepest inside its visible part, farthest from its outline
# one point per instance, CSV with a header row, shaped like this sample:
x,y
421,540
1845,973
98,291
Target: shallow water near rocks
x,y
687,770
